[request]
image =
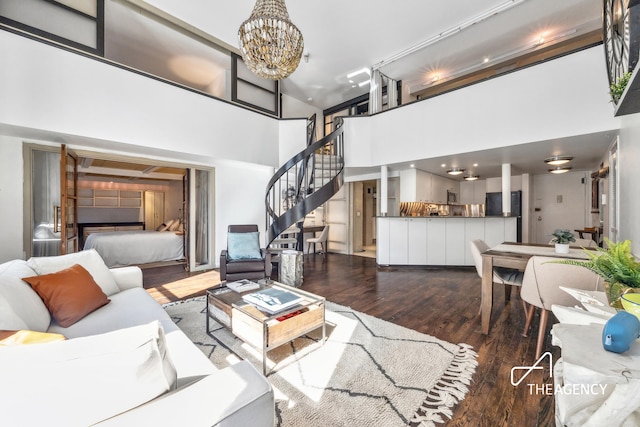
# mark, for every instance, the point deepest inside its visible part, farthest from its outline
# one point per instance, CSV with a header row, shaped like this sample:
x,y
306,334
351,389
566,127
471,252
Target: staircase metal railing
x,y
304,182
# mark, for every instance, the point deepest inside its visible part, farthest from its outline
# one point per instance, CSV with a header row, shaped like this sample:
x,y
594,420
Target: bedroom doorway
x,y
111,196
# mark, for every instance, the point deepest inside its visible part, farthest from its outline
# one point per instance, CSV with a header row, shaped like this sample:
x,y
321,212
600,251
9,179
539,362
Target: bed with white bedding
x,y
120,248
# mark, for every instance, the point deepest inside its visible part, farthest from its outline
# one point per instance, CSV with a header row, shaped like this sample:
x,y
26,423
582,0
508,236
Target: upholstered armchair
x,y
243,258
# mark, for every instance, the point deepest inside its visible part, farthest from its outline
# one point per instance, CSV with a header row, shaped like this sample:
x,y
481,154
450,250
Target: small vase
x,y
614,291
562,248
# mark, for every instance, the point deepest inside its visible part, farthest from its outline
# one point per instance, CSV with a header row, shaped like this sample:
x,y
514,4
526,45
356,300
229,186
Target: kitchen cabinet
x,y
398,237
407,241
382,241
437,240
439,188
494,232
415,186
473,230
424,182
473,192
455,241
417,241
420,186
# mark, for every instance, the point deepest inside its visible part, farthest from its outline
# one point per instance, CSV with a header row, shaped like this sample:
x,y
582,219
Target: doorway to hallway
x,y
364,218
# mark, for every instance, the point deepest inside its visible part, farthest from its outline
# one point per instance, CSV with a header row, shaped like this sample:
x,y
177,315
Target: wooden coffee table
x,y
262,330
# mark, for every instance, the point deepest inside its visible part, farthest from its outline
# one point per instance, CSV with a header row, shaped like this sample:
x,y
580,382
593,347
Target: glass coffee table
x,y
262,330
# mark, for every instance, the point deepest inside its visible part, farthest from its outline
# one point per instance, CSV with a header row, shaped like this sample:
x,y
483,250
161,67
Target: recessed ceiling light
x,y
485,60
455,171
475,165
560,169
444,165
558,160
360,71
471,177
412,165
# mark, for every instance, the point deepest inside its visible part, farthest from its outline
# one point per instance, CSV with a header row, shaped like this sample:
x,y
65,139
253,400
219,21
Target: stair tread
x,y
284,240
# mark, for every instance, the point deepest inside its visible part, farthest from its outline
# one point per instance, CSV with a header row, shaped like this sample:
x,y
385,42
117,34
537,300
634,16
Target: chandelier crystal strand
x,y
271,45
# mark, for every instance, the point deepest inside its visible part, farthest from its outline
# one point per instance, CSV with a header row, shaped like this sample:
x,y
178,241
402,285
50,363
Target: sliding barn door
x,y
201,252
67,220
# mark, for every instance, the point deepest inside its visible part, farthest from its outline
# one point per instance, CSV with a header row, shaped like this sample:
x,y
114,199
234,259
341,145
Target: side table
x,y
594,387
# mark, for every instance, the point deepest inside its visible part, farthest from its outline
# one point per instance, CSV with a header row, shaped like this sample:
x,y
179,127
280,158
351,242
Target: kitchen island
x,y
438,240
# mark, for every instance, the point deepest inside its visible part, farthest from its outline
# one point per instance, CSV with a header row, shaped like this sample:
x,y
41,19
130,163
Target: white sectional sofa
x,y
198,395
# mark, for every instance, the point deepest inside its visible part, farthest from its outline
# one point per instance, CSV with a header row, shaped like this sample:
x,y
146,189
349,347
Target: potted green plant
x,y
562,238
617,89
616,265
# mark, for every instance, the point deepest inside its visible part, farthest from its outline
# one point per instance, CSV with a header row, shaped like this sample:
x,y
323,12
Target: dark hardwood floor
x,y
442,302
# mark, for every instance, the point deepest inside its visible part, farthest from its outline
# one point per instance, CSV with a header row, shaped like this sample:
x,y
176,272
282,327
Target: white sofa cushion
x,y
136,307
20,306
89,259
88,379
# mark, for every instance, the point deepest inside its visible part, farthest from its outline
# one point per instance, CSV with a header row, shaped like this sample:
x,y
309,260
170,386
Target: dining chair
x,y
322,239
505,276
541,288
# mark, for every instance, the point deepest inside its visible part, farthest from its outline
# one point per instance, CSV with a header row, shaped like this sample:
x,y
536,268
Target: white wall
x,y
11,172
555,99
294,108
239,199
293,139
562,201
58,97
629,153
60,92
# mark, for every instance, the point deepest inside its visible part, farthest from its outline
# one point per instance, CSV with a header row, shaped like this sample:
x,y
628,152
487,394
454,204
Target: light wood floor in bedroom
x,y
436,301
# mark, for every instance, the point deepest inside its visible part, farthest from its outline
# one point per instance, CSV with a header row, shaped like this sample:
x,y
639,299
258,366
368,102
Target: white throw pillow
x,y
89,259
20,305
83,381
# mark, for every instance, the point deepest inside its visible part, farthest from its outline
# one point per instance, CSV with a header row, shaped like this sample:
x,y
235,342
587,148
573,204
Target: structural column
x,y
506,189
382,194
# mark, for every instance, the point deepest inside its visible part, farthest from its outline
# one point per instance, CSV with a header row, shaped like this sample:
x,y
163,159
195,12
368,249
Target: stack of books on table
x,y
272,300
243,285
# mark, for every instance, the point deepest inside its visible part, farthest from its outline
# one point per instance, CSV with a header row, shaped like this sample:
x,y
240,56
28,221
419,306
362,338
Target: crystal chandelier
x,y
271,45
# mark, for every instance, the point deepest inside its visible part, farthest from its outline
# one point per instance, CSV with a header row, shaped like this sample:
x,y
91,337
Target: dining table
x,y
513,255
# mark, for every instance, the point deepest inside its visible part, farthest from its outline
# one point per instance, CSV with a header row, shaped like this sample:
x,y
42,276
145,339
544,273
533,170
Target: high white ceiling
x,y
415,41
344,36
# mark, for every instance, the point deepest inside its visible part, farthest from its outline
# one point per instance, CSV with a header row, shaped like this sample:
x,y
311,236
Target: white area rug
x,y
369,372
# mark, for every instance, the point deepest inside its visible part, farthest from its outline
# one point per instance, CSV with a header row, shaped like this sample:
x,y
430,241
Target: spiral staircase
x,y
302,184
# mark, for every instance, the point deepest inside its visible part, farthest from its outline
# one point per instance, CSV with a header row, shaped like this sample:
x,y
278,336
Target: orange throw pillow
x,y
69,294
